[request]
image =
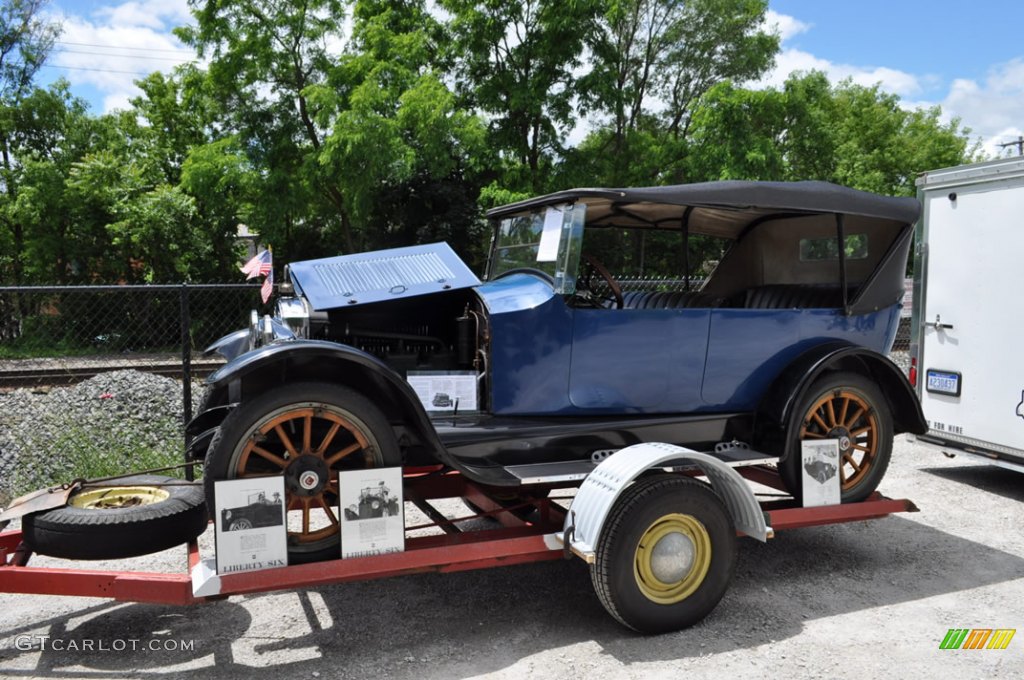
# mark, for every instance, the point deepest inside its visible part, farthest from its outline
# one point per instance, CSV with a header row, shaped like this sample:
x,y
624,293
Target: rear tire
x,y
666,555
844,405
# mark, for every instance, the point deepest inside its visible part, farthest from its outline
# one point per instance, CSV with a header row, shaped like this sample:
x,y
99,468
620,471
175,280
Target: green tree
x,y
848,134
516,63
409,154
653,61
25,42
263,58
49,131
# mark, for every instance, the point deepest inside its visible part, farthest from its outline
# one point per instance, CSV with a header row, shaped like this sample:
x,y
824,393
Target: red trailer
x,y
544,530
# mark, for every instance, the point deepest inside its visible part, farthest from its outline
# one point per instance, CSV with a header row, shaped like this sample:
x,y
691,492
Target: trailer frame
x,y
516,541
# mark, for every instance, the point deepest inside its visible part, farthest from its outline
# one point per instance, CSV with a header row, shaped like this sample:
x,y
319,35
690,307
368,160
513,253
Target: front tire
x,y
852,409
307,432
666,555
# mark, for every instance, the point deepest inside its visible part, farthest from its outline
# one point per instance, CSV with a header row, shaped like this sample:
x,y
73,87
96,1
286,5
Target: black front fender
x,y
268,367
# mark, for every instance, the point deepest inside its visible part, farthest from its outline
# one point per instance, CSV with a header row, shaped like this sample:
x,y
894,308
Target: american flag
x,y
268,286
260,265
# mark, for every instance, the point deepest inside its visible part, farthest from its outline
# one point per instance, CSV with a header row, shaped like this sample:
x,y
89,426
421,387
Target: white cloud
x,y
994,108
151,13
891,80
785,25
119,44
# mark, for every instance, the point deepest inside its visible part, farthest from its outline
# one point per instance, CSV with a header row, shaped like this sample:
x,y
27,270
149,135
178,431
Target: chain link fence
x,y
107,373
47,332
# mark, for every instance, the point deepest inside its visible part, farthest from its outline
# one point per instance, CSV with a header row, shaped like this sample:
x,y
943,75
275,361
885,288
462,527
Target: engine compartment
x,y
440,332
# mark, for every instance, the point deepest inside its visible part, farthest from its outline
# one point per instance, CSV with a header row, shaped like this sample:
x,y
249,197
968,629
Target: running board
x,y
577,470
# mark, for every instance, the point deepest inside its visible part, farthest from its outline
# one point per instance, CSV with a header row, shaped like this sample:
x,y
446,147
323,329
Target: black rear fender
x,y
777,415
269,367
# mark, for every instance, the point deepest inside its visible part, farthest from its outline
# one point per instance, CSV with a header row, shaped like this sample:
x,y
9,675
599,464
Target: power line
x,y
1019,144
99,70
120,56
118,47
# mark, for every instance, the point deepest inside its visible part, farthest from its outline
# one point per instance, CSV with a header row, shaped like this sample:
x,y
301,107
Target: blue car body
x,y
649,361
562,365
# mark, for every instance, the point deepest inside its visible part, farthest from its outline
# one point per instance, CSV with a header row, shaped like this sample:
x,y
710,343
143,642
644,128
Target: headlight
x,y
295,312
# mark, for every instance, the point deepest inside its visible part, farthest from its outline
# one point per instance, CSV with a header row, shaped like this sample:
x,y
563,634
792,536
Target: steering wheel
x,y
593,265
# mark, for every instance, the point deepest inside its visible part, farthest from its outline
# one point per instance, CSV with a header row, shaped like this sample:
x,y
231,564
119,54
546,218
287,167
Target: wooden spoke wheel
x,y
305,433
851,409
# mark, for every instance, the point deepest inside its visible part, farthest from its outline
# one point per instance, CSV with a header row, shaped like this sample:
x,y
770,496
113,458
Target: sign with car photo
x,y
249,521
445,390
820,467
372,512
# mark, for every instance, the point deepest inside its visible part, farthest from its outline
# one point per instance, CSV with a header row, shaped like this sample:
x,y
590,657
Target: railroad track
x,y
67,374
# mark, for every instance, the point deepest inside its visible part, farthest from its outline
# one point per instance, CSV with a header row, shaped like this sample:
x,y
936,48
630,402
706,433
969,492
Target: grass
x,y
89,453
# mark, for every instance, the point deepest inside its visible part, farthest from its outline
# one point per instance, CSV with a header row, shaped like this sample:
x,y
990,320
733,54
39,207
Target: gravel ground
x,y
869,599
112,420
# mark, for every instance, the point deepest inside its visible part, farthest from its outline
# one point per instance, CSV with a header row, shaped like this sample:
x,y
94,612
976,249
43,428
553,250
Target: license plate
x,y
943,382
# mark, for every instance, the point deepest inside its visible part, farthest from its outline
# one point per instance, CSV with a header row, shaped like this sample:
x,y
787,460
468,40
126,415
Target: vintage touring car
x,y
558,366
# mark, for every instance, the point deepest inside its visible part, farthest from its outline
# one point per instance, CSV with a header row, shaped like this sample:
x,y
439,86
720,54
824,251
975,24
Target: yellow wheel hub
x,y
109,497
672,558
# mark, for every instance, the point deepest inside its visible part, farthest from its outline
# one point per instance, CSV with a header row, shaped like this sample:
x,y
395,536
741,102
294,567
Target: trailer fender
x,y
264,369
603,486
777,413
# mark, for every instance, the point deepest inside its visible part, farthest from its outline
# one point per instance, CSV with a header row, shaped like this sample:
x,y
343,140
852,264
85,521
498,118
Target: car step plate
x,y
576,470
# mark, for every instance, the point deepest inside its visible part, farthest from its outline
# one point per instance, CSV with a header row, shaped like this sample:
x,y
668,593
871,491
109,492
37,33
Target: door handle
x,y
937,324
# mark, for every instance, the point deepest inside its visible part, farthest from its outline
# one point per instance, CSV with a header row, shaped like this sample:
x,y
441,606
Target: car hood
x,y
363,278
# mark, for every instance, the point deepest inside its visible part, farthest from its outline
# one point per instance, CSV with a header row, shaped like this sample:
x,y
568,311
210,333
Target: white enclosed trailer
x,y
967,328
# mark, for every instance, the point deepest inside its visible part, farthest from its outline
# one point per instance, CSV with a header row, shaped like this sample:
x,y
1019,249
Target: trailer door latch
x,y
938,325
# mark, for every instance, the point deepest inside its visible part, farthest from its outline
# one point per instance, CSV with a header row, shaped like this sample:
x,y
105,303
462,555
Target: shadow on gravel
x,y
997,480
465,624
114,638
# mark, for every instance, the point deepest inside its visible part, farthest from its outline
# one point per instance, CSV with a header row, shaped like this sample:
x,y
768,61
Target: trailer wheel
x,y
666,554
852,409
305,432
142,514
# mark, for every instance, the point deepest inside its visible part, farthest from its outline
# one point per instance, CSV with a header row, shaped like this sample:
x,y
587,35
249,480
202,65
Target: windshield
x,y
547,240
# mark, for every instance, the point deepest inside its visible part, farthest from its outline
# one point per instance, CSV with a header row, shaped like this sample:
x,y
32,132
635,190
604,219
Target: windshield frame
x,y
563,269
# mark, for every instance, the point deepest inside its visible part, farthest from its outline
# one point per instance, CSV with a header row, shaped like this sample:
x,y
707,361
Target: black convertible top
x,y
723,208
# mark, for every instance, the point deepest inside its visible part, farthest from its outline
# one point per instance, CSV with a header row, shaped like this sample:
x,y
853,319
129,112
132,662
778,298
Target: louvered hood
x,y
350,280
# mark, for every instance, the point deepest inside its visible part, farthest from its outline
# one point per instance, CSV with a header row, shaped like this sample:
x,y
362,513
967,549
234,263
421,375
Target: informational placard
x,y
443,390
819,466
372,512
250,524
550,237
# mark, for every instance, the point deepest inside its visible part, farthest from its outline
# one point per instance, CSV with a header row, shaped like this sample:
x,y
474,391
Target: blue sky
x,y
967,57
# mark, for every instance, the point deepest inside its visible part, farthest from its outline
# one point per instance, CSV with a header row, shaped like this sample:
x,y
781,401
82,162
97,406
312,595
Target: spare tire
x,y
132,516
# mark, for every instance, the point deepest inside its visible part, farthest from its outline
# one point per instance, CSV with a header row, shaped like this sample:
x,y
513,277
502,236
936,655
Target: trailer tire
x,y
666,555
142,514
838,399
